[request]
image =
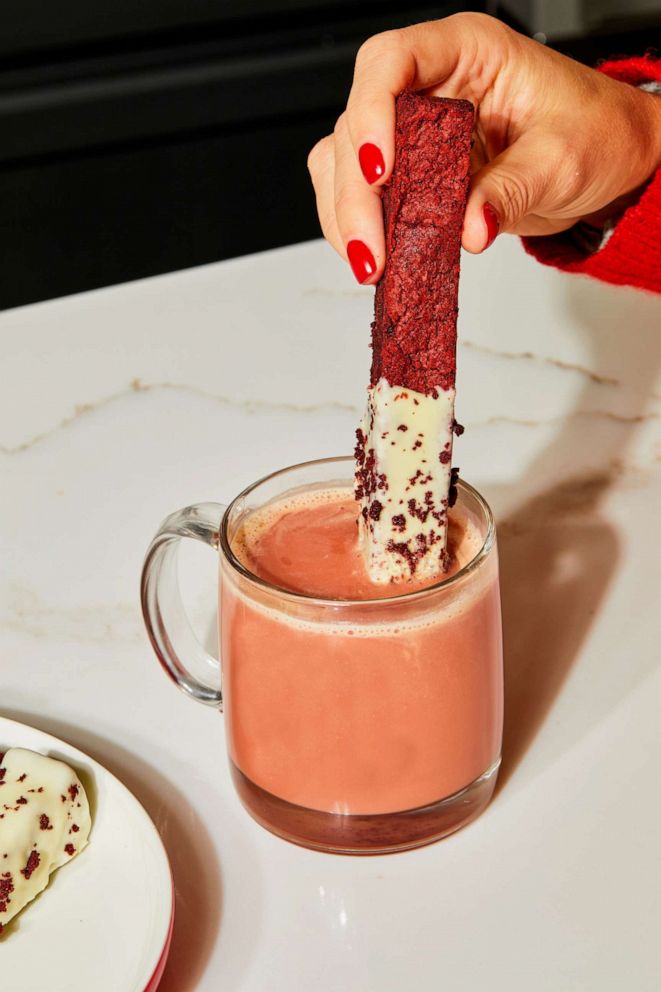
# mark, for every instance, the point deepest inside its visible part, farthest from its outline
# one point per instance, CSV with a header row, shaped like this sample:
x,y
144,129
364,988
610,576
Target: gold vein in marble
x,y
24,611
254,406
138,386
618,418
530,356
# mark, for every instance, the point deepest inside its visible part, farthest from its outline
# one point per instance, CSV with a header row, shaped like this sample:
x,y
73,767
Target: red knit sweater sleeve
x,y
632,254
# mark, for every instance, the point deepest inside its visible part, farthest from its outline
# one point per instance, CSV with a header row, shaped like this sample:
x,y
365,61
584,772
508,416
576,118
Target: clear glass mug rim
x,y
408,597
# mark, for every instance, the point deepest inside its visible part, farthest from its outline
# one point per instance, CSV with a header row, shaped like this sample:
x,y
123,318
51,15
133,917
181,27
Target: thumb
x,y
505,191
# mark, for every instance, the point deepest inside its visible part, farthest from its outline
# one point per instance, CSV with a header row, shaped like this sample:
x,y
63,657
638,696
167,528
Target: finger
x,y
535,226
358,211
446,53
478,154
522,182
321,165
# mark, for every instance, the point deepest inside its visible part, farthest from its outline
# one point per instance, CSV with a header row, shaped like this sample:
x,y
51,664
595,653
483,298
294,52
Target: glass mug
x,y
357,727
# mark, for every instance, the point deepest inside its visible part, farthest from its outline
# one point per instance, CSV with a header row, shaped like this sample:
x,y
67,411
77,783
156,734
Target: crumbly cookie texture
x,y
404,479
44,823
415,309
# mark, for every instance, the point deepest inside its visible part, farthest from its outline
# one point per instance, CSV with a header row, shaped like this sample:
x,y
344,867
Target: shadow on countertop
x,y
558,551
557,560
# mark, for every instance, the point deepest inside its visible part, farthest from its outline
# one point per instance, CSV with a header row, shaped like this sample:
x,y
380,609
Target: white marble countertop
x,y
121,405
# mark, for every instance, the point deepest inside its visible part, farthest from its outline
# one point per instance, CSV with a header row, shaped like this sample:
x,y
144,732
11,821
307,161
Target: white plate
x,y
105,921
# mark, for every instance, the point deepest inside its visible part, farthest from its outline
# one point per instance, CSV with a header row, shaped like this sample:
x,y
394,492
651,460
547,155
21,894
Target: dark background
x,y
143,136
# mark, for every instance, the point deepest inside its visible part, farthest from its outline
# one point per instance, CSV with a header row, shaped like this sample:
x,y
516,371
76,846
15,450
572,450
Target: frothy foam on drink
x,y
308,543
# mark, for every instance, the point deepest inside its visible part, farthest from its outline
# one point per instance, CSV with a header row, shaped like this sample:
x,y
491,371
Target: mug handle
x,y
163,609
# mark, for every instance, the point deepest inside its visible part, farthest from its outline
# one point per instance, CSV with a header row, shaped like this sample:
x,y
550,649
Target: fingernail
x,y
361,260
492,223
371,162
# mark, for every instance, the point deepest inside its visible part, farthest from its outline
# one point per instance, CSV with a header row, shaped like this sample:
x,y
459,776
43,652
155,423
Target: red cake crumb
x,y
414,331
423,545
365,480
69,849
452,495
73,791
32,864
6,889
44,822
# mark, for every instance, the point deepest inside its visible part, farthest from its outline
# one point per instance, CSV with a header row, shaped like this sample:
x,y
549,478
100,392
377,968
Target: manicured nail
x,y
492,223
361,260
371,162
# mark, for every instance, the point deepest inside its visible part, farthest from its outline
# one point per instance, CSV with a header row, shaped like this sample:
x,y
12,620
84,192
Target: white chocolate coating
x,y
44,823
409,436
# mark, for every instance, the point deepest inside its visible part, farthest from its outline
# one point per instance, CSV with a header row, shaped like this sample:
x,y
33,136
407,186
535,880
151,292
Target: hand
x,y
555,142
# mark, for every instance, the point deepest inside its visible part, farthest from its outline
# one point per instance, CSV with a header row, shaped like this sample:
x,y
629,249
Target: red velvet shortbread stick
x,y
404,448
415,321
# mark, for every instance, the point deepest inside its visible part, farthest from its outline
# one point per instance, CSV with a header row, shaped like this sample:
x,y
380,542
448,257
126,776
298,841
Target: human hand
x,y
555,142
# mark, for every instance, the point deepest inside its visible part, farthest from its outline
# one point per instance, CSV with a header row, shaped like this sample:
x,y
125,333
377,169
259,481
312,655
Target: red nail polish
x,y
492,223
361,260
371,162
